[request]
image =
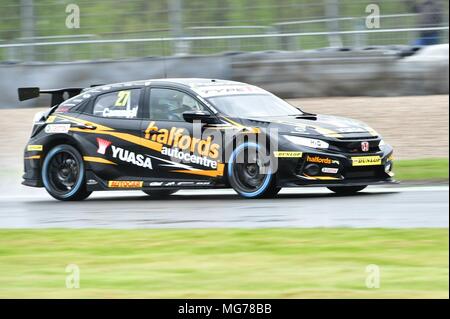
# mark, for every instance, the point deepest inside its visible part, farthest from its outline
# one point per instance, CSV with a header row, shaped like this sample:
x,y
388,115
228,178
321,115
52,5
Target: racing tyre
x,y
63,174
159,193
346,190
244,172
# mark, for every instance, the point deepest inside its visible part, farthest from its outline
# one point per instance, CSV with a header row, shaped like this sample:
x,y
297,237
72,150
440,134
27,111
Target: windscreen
x,y
253,105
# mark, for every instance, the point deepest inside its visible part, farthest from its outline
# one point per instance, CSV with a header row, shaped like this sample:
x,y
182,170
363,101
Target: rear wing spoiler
x,y
58,95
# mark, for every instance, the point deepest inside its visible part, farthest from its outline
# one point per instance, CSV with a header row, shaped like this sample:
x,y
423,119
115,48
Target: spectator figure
x,y
430,15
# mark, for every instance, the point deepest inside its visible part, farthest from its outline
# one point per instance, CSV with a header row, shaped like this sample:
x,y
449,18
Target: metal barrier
x,y
144,47
114,30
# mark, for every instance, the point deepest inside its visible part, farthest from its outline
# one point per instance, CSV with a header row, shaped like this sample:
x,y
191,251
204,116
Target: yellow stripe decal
x,y
87,123
33,157
322,177
211,173
35,148
100,129
98,160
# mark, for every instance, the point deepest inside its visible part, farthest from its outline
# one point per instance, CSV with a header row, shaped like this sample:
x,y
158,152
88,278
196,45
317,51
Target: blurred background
x,y
384,62
293,48
35,30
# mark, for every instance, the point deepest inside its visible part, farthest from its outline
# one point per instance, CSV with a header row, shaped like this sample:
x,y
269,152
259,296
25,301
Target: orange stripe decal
x,y
211,173
97,160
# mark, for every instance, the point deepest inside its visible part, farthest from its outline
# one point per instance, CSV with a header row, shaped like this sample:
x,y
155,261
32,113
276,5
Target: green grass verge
x,y
280,263
421,169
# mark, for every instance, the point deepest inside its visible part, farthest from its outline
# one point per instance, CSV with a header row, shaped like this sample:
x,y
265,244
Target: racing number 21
x,y
122,98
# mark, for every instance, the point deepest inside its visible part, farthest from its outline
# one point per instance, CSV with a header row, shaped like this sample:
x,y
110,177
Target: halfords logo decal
x,y
124,155
177,138
125,184
321,160
189,158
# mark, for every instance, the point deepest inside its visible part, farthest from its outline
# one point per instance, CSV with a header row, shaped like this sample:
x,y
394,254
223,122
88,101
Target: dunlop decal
x,y
35,148
366,160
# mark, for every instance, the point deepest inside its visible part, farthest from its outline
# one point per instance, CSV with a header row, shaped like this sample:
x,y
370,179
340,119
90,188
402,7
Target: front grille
x,y
354,146
364,172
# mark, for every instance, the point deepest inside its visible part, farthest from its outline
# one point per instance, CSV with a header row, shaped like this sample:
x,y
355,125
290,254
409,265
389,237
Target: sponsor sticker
x,y
35,148
321,160
287,154
102,145
155,184
366,160
125,184
51,119
131,157
57,128
330,170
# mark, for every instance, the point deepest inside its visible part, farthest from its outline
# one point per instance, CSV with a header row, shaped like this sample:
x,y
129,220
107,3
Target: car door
x,y
186,152
114,148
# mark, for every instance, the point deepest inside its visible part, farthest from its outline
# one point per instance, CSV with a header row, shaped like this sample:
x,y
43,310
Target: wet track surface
x,y
397,207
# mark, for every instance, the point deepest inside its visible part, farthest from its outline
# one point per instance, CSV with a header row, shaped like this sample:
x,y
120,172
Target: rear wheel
x,y
161,192
250,174
63,174
346,190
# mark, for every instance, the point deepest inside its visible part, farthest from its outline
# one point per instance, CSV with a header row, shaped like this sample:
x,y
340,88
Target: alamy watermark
x,y
73,277
373,17
373,278
73,17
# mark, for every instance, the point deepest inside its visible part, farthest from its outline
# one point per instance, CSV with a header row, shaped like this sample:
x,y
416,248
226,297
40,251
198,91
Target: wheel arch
x,y
59,139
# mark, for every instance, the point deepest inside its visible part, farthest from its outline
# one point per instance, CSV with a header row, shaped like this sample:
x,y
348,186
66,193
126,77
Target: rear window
x,y
118,104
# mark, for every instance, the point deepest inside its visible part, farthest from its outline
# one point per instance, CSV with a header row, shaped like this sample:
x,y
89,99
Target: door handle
x,y
85,127
153,132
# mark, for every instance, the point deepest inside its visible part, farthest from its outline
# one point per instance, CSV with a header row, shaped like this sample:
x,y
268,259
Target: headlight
x,y
382,143
308,142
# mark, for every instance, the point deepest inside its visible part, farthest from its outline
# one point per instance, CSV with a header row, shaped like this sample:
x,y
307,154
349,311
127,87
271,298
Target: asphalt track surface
x,y
388,206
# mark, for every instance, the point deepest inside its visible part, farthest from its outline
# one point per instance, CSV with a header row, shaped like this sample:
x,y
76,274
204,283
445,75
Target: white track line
x,y
41,194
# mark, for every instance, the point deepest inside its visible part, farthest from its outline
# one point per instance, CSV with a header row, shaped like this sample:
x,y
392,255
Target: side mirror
x,y
203,117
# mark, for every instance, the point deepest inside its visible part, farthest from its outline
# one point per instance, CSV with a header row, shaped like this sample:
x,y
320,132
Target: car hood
x,y
315,125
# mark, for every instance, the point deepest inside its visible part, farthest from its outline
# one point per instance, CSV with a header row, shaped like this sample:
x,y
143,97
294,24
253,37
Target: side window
x,y
169,105
119,104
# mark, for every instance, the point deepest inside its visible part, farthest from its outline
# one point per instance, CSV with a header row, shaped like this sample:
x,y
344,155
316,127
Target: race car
x,y
165,135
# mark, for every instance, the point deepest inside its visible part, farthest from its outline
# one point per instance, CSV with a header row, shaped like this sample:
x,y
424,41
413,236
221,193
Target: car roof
x,y
202,86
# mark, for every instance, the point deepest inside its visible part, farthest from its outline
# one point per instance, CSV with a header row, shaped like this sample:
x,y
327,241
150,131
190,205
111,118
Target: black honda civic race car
x,y
161,136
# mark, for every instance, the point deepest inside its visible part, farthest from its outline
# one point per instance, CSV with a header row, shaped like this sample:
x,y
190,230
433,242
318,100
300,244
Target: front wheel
x,y
63,174
346,190
250,173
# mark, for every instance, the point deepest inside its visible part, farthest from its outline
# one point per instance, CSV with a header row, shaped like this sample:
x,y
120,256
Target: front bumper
x,y
325,168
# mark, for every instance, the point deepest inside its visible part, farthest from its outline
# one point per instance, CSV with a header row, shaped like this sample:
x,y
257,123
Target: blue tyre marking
x,y
230,171
45,173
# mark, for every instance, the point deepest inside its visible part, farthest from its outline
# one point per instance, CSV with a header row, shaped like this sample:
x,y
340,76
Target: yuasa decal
x,y
131,157
179,138
102,145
